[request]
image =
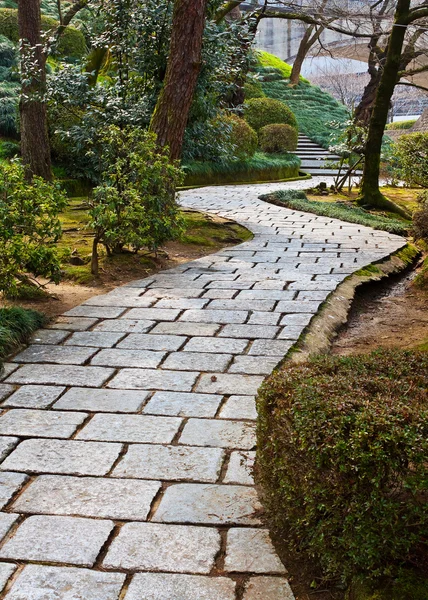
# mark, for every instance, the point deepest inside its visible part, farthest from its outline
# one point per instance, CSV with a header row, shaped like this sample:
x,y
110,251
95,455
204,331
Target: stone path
x,y
127,427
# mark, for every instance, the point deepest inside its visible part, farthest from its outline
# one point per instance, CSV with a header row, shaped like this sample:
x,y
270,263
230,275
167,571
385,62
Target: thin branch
x,y
312,21
413,85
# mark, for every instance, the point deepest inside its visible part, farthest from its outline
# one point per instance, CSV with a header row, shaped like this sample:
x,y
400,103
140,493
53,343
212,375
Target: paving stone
x,y
61,375
263,318
208,504
7,444
294,306
249,331
119,300
214,316
152,379
216,345
160,547
172,463
272,588
312,295
181,303
297,319
224,383
70,540
41,423
291,332
6,369
98,339
181,328
98,312
213,294
68,457
241,304
49,336
254,365
137,341
251,551
202,361
263,294
73,323
240,468
239,407
102,400
125,326
40,582
130,428
162,586
6,571
99,497
10,483
116,357
34,396
6,522
5,390
182,404
155,314
160,292
61,355
218,433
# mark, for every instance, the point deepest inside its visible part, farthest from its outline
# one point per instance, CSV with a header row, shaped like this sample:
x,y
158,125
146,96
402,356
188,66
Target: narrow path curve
x,y
127,431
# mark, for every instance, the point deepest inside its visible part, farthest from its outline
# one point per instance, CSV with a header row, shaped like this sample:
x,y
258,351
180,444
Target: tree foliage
x,y
411,157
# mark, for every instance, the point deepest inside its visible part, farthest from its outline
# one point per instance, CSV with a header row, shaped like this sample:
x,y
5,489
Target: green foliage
x,y
7,52
342,446
135,205
242,136
278,138
71,44
30,227
16,327
259,112
270,60
261,167
9,150
420,218
407,585
342,211
253,89
411,154
401,124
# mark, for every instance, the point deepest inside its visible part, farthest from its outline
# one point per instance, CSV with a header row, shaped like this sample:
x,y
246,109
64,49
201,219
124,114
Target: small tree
x,y
135,205
30,228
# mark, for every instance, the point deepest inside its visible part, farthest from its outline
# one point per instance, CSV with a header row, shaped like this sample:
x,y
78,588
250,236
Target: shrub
x,y
71,43
411,153
278,138
266,111
9,149
253,89
16,326
420,218
7,52
342,459
135,206
401,124
242,136
30,227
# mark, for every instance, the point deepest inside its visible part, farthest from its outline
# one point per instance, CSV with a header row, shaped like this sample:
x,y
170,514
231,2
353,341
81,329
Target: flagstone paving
x,y
127,428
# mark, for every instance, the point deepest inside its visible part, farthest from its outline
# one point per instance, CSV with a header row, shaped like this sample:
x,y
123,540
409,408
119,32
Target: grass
x,y
401,124
261,167
265,59
339,210
16,327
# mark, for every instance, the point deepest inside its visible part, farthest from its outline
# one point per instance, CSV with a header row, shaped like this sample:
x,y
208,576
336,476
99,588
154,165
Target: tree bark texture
x,y
311,35
35,148
370,193
170,116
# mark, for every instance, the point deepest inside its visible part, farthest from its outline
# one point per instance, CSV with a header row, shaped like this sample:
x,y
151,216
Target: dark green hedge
x,y
72,42
342,459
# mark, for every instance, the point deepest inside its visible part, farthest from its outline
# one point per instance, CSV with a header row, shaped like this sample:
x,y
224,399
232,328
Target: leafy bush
x,y
259,112
342,459
420,218
242,136
16,326
411,152
278,138
135,206
71,44
401,124
338,210
9,149
7,52
253,89
30,227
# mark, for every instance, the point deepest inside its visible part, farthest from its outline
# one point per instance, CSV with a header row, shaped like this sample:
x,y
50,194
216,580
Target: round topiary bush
x,y
253,89
278,138
259,112
242,136
342,459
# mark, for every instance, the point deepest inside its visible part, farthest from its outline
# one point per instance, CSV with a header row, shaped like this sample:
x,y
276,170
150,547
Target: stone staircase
x,y
315,159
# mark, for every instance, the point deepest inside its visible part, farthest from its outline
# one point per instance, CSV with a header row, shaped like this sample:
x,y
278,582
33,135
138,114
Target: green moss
x,y
80,274
265,59
408,254
368,271
261,167
421,280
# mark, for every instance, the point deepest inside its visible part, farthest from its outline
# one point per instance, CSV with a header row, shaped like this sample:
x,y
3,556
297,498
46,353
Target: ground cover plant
x,y
342,447
16,327
297,200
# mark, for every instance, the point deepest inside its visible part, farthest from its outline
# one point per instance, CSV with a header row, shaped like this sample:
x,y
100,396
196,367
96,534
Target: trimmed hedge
x,y
259,112
71,44
342,459
253,89
243,137
278,138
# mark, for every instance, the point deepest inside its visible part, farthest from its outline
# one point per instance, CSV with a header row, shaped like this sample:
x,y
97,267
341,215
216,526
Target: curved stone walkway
x,y
127,427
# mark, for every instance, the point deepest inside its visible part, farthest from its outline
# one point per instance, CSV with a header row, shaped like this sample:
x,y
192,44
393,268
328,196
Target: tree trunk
x,y
364,110
94,257
370,193
35,147
304,48
170,116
